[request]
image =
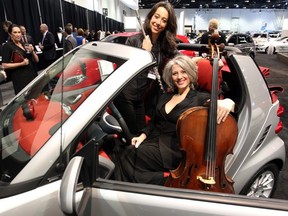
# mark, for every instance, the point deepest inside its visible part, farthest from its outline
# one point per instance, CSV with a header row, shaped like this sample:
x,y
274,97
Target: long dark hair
x,y
167,38
11,27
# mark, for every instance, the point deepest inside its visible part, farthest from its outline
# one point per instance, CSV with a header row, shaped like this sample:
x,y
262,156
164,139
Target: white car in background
x,y
52,130
273,46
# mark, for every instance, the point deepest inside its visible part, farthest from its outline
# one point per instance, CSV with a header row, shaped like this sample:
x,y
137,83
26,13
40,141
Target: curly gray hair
x,y
187,64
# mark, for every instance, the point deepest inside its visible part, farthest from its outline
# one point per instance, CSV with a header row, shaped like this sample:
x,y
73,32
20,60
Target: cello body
x,y
192,172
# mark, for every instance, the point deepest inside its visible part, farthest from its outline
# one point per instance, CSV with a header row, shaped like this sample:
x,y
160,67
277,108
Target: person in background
x,y
47,45
69,41
213,27
17,59
80,37
156,148
26,38
5,25
134,102
94,36
74,32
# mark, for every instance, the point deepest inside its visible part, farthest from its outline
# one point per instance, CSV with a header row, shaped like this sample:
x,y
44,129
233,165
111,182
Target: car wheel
x,y
263,183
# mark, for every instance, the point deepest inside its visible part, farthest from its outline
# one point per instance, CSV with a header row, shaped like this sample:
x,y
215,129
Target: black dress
x,y
22,75
160,151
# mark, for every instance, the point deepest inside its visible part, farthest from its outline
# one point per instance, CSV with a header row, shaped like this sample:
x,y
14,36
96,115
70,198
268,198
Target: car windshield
x,y
38,112
259,35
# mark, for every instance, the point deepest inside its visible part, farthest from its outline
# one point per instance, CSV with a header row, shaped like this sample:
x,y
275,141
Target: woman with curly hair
x,y
156,149
160,27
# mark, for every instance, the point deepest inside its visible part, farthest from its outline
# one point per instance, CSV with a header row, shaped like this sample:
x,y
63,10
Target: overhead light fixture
x,y
214,1
192,0
246,0
267,0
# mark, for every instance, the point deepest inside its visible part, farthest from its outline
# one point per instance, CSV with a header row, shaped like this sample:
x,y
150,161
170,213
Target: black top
x,y
205,37
49,49
162,127
22,75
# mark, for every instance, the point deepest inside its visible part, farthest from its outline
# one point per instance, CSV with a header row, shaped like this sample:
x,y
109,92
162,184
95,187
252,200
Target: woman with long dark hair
x,y
140,97
17,59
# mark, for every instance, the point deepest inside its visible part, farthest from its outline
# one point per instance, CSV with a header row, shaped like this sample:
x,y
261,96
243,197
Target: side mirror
x,y
67,192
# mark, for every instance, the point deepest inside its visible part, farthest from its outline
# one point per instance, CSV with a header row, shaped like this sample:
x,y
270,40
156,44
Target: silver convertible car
x,y
54,131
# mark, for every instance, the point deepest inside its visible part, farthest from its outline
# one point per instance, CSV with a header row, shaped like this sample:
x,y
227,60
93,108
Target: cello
x,y
204,143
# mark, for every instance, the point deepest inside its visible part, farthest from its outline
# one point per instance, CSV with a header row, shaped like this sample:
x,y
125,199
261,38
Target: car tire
x,y
263,183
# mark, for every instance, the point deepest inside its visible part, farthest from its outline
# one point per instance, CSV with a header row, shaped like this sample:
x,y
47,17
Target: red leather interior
x,y
205,75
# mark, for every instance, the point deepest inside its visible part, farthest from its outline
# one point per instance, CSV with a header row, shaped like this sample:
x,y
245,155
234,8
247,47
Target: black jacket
x,y
49,49
162,127
222,39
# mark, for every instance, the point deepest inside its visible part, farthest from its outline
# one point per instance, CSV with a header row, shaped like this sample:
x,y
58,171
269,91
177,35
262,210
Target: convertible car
x,y
53,134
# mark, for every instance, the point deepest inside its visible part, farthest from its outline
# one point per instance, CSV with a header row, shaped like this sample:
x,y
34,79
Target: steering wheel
x,y
126,132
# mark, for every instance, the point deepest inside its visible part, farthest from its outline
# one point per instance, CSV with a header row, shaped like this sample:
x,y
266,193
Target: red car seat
x,y
205,70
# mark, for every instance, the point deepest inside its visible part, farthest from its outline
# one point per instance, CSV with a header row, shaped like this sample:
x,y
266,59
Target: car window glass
x,y
249,39
263,36
35,115
242,39
120,40
232,39
256,35
108,130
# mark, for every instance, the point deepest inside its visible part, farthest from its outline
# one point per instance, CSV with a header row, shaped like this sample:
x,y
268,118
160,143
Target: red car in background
x,y
122,38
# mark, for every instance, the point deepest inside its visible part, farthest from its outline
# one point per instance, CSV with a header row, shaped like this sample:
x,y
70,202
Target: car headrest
x,y
205,70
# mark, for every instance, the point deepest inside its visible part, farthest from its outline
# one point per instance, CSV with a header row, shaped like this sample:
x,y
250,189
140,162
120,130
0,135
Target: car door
x,y
101,196
40,123
283,46
107,197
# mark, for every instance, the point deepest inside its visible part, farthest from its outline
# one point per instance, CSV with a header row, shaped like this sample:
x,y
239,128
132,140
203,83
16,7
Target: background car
x,y
260,37
243,42
64,118
275,46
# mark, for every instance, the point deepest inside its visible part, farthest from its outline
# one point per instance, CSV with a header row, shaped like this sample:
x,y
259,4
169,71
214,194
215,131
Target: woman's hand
x,y
136,141
25,62
147,44
4,74
224,108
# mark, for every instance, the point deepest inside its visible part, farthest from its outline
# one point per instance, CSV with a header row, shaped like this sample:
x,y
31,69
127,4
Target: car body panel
x,y
109,202
118,64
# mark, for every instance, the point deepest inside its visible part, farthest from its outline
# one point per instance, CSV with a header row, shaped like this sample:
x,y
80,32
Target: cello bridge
x,y
210,180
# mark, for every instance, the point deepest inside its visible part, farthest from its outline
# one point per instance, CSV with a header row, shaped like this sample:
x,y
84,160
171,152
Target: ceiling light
x,y
267,0
246,0
192,0
213,0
